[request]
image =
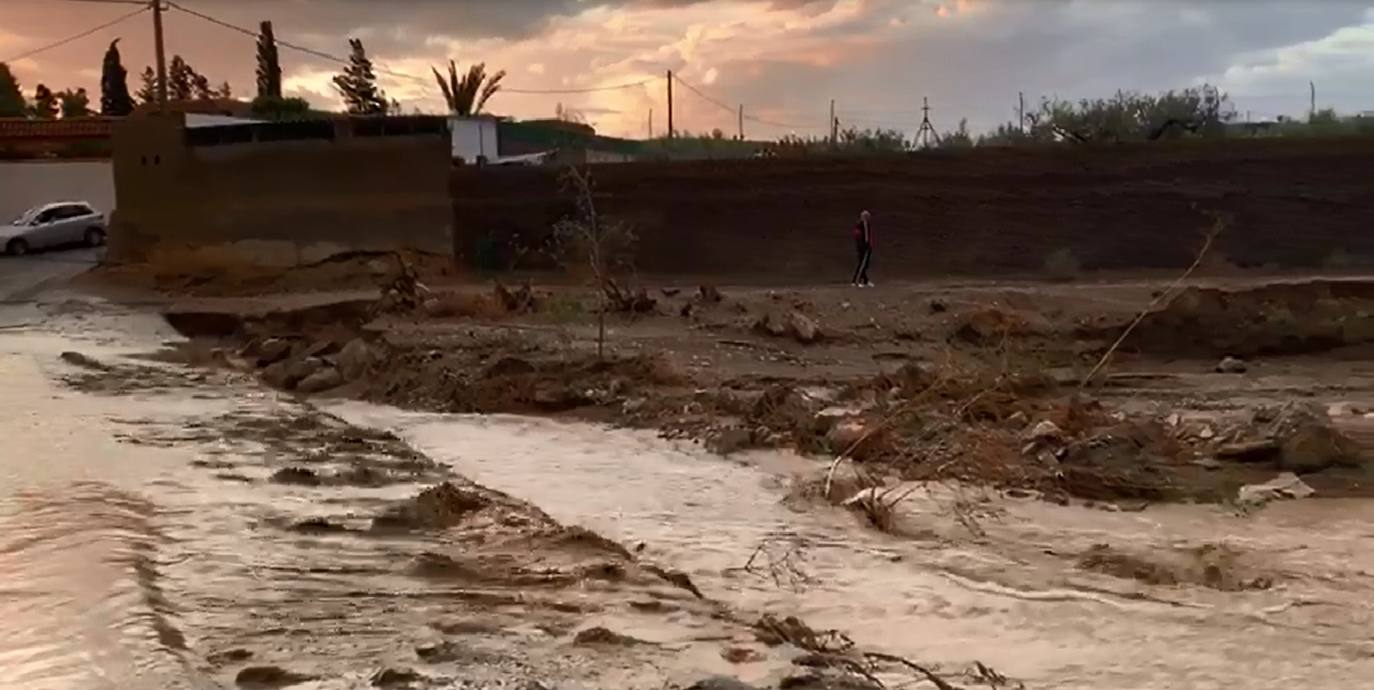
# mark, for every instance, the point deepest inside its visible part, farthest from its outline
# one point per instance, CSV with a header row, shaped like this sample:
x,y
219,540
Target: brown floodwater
x,y
142,545
973,577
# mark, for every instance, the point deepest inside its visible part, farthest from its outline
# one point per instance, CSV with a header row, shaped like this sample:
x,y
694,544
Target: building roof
x,y
66,128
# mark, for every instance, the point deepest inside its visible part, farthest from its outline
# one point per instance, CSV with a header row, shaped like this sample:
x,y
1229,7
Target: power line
x,y
699,92
382,70
83,34
748,117
586,90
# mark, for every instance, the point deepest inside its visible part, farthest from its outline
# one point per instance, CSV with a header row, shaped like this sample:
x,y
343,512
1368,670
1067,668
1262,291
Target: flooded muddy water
x,y
1206,598
170,527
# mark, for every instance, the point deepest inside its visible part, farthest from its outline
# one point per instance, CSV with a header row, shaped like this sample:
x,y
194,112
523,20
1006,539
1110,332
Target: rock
x,y
803,328
727,441
720,683
269,677
296,475
437,507
1018,418
508,366
552,396
83,361
989,325
1206,433
439,653
709,294
845,434
355,359
916,377
937,306
769,324
1231,365
273,350
1263,450
231,656
602,636
1284,486
740,655
317,525
393,677
287,374
796,325
1044,431
1209,464
322,380
1315,446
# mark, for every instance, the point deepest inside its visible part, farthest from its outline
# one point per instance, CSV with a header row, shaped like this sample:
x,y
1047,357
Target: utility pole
x,y
161,57
671,130
651,123
1021,110
741,122
1312,111
834,125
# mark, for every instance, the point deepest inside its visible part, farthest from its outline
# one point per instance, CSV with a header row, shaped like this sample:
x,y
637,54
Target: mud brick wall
x,y
1295,204
279,202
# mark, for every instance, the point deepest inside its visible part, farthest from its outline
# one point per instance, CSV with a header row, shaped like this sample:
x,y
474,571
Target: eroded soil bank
x,y
1219,387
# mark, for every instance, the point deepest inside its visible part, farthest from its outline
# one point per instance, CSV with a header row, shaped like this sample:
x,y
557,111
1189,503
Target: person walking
x,y
863,245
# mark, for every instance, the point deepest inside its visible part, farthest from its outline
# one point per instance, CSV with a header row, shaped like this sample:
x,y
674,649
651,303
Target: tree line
x,y
357,84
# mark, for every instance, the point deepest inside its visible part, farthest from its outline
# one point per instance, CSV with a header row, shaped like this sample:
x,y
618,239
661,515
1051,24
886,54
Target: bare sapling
x,y
1218,226
600,246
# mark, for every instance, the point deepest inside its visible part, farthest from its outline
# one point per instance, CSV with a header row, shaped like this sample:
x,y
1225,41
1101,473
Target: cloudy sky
x,y
782,59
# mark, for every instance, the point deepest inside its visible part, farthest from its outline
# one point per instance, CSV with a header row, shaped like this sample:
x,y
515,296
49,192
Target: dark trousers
x,y
865,252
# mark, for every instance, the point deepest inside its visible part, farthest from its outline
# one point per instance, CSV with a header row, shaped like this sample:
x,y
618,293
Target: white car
x,y
54,225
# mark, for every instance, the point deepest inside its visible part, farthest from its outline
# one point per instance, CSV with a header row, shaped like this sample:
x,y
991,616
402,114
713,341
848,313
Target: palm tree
x,y
467,96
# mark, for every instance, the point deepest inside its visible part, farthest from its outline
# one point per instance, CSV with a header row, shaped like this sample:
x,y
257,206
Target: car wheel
x,y
17,247
95,237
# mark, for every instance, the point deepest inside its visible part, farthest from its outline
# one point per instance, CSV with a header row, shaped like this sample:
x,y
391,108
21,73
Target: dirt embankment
x,y
1295,204
976,385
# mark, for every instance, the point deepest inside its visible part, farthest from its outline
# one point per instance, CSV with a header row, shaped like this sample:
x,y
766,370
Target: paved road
x,y
25,282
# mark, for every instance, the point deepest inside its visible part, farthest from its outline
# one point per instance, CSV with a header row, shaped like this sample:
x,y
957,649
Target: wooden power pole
x,y
671,130
161,52
834,125
741,122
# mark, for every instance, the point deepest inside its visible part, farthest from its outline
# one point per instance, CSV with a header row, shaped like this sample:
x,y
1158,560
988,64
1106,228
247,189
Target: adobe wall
x,y
1296,203
279,202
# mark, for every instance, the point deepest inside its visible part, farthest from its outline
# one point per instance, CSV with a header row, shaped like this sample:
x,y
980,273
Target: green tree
x,y
269,64
74,103
1130,116
281,108
114,84
147,91
1325,116
44,103
200,87
468,95
180,80
11,97
357,84
958,139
